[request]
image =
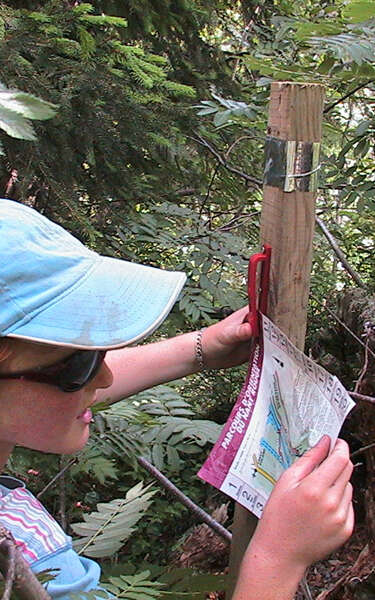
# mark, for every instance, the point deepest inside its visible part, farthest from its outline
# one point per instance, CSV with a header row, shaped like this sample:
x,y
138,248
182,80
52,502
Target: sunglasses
x,y
69,375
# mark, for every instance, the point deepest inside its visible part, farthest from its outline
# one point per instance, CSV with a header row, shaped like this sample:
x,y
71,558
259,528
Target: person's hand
x,y
227,343
309,513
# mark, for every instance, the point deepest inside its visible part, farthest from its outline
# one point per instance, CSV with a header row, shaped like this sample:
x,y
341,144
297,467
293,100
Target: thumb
x,y
244,332
307,463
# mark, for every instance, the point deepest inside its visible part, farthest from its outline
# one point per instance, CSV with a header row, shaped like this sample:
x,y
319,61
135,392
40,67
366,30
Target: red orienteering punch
x,y
258,298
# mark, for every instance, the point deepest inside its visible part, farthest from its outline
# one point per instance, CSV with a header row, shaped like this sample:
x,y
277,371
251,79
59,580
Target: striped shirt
x,y
36,533
43,543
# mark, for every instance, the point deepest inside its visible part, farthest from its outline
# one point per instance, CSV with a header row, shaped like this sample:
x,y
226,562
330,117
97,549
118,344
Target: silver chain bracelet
x,y
199,350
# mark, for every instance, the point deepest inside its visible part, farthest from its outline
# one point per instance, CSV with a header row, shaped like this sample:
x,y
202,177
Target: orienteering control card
x,y
286,405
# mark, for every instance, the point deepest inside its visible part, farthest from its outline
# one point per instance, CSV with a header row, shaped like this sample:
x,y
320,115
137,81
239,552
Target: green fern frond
x,y
175,432
126,410
348,47
118,433
105,530
92,462
135,587
92,595
128,443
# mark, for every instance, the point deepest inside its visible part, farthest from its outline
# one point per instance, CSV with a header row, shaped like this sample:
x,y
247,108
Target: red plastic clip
x,y
258,302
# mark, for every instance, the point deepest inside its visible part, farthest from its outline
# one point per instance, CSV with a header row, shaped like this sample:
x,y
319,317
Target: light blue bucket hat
x,y
57,291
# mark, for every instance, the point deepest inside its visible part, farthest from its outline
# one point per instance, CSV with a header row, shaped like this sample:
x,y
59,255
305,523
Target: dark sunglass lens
x,y
79,369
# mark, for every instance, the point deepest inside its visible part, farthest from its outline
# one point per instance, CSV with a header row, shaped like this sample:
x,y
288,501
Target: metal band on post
x,y
291,165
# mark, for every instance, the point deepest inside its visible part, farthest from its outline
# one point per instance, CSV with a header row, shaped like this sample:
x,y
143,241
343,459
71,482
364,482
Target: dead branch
x,y
346,96
8,548
363,449
16,571
72,462
339,253
222,161
362,397
195,509
364,369
358,339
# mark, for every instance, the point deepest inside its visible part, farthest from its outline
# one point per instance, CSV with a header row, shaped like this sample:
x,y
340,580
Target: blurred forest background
x,y
154,153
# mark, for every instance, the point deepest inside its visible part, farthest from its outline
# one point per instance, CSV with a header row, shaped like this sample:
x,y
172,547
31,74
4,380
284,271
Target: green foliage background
x,y
155,154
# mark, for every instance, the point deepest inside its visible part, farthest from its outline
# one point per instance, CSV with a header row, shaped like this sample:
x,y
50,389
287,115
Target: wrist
x,y
267,575
274,561
199,355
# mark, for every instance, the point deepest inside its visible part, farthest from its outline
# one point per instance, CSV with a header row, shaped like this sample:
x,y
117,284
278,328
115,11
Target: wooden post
x,y
287,224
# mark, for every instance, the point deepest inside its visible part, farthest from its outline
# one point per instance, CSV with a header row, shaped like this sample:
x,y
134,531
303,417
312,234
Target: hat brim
x,y
116,304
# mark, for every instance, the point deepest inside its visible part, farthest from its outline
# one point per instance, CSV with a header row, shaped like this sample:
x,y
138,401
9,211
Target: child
x,y
67,316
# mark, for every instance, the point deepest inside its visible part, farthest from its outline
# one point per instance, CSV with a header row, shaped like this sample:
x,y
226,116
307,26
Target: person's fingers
x,y
339,486
237,316
349,523
234,329
240,313
345,512
348,495
328,472
307,463
244,332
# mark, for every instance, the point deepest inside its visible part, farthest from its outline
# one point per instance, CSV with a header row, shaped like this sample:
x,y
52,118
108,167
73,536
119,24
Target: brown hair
x,y
5,348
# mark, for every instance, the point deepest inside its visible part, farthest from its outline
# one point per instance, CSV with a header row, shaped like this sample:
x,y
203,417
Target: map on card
x,y
286,405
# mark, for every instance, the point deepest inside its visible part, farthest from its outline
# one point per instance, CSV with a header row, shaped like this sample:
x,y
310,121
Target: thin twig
x,y
362,397
361,450
356,89
223,162
240,139
11,568
306,588
167,484
195,509
364,369
208,192
358,339
25,582
59,474
233,223
339,253
62,498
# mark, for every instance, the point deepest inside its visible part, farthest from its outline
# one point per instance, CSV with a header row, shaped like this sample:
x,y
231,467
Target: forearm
x,y
141,367
224,344
264,577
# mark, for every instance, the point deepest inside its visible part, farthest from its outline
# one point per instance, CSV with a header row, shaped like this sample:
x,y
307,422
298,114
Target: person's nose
x,y
104,377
